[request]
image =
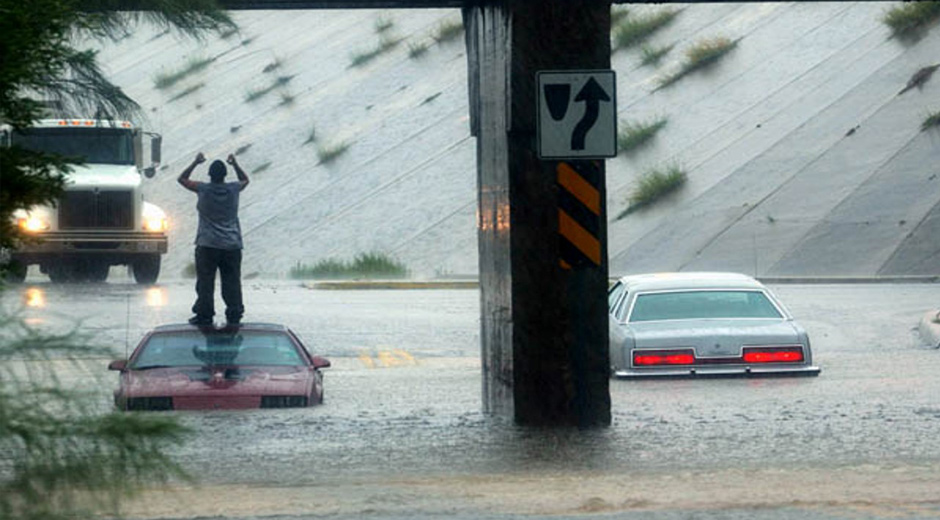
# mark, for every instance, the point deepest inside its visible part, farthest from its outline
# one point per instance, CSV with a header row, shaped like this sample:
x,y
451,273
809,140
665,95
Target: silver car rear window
x,y
711,304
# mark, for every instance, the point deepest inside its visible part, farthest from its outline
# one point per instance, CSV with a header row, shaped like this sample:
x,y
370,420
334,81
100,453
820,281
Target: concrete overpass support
x,y
544,318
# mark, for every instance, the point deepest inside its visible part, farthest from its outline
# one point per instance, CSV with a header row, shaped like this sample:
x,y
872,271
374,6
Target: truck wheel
x,y
15,272
146,269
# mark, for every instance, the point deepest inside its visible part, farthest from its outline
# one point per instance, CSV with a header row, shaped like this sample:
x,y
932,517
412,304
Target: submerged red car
x,y
185,367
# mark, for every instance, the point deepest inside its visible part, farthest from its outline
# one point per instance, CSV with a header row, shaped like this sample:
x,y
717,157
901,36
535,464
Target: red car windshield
x,y
192,348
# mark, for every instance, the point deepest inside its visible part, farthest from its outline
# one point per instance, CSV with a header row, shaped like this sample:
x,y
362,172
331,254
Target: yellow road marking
x,y
366,359
404,355
387,358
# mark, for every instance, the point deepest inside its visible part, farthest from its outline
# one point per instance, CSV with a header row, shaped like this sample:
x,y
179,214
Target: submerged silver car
x,y
698,324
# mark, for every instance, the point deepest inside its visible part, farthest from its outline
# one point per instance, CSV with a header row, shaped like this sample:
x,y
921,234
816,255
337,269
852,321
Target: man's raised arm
x,y
184,179
242,176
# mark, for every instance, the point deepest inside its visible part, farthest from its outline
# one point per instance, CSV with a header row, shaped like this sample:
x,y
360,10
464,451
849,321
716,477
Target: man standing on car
x,y
218,240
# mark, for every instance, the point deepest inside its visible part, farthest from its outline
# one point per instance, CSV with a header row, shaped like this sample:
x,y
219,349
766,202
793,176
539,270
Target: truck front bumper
x,y
119,244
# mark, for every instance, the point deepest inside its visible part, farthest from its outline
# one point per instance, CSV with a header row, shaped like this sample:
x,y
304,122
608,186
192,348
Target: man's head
x,y
217,171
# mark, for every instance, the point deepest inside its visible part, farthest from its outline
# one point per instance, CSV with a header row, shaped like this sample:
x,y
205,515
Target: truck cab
x,y
101,219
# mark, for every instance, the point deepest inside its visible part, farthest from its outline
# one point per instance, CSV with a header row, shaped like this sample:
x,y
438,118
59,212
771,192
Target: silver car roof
x,y
689,280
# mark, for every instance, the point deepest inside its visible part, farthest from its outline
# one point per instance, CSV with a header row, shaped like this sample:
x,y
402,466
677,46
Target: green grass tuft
x,y
383,25
256,94
312,136
386,43
361,58
708,51
367,265
632,30
653,55
634,135
416,50
931,121
618,13
329,153
447,31
187,91
699,56
911,18
653,186
167,80
261,168
271,67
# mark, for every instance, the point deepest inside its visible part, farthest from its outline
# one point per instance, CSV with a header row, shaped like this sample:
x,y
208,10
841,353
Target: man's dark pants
x,y
229,264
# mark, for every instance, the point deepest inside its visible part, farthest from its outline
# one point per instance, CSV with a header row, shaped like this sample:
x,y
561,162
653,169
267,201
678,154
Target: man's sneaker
x,y
199,320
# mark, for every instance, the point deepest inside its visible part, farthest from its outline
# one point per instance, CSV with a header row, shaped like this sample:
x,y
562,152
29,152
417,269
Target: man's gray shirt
x,y
218,215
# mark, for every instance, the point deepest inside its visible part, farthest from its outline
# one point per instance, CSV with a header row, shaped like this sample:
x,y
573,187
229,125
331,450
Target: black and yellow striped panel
x,y
579,214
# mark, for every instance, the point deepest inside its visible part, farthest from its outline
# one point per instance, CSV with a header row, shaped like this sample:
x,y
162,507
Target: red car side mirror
x,y
320,362
118,364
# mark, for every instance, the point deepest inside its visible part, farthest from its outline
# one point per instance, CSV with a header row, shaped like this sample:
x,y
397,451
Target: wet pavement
x,y
402,435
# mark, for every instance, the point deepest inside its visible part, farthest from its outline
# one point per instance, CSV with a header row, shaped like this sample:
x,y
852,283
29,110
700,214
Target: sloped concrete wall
x,y
405,185
801,156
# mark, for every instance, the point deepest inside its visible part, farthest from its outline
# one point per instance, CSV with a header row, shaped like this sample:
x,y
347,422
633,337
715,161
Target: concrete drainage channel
x,y
929,327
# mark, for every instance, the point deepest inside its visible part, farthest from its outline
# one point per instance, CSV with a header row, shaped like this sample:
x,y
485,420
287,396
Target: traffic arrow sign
x,y
577,114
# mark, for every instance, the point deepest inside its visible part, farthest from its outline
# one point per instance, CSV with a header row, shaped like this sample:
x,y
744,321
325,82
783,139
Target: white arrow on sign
x,y
577,114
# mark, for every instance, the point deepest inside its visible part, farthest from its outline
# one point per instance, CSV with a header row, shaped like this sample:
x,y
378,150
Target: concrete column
x,y
543,326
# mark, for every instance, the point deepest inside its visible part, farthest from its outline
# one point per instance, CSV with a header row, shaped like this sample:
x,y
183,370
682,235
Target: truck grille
x,y
96,209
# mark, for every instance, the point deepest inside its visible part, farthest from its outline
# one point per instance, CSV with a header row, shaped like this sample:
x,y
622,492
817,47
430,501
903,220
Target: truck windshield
x,y
91,145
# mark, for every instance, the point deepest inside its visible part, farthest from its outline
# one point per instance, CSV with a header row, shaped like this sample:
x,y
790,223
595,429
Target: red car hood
x,y
223,386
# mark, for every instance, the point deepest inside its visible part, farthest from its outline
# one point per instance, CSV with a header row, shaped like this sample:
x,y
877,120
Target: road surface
x,y
401,434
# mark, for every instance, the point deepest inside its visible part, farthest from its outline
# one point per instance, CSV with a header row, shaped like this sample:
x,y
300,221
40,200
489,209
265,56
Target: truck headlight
x,y
154,219
32,224
155,224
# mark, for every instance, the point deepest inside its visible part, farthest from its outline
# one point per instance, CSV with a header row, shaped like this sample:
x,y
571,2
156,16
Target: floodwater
x,y
402,429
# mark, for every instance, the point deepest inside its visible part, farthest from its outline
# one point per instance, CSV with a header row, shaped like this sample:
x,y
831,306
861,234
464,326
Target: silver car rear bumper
x,y
807,371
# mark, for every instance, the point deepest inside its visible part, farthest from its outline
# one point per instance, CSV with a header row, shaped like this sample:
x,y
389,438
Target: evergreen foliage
x,y
62,454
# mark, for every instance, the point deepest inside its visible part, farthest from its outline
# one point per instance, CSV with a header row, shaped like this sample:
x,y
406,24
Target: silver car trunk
x,y
715,337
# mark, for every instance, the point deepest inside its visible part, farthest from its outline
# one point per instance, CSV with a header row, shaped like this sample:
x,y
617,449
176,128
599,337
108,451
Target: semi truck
x,y
101,219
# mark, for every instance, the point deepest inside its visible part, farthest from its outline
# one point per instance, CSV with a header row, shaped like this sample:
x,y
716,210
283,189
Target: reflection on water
x,y
395,423
306,445
156,297
34,297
